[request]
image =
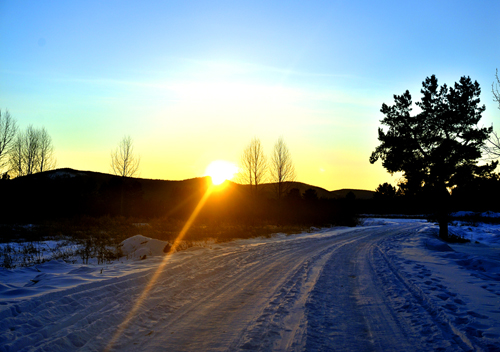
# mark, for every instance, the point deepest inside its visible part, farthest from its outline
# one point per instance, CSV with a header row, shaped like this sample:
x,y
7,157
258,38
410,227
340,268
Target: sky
x,y
194,81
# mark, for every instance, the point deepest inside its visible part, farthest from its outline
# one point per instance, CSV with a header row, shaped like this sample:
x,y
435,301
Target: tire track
x,y
338,290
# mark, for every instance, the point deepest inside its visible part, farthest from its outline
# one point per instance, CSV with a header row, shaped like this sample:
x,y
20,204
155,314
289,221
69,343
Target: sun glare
x,y
220,171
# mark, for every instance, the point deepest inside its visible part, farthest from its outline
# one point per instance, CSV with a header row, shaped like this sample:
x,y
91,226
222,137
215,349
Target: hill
x,y
65,193
359,193
154,188
150,188
321,192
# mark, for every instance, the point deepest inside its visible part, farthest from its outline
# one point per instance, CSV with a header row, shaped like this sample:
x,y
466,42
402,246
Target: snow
x,y
139,246
389,285
465,214
65,173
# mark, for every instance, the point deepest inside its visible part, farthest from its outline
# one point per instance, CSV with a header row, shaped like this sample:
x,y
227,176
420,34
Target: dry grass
x,y
117,229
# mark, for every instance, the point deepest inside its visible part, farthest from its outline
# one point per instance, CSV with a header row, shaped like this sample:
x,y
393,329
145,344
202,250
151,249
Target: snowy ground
x,y
389,285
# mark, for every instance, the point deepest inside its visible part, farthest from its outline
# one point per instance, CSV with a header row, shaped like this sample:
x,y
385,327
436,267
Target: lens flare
x,y
121,328
220,171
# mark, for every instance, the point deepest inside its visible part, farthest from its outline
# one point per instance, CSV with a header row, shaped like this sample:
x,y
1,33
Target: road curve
x,y
334,290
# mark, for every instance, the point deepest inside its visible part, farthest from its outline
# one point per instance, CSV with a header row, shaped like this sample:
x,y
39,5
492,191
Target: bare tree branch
x,y
8,129
31,146
16,156
124,162
492,146
31,152
282,168
46,151
253,165
495,89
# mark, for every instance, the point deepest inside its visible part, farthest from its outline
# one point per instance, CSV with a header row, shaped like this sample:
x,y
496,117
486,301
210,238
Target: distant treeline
x,y
477,194
61,194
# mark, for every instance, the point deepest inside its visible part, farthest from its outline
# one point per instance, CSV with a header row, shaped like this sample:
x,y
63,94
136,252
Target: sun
x,y
220,171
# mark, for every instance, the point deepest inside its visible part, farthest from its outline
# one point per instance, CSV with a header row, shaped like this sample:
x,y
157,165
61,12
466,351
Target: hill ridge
x,y
302,186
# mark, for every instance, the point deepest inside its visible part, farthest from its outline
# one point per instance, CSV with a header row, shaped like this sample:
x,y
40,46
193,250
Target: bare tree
x,y
282,168
123,160
31,145
16,156
492,147
8,129
245,173
495,89
46,151
253,165
32,151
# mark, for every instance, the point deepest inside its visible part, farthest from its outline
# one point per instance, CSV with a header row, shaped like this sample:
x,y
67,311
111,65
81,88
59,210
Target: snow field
x,y
387,286
461,299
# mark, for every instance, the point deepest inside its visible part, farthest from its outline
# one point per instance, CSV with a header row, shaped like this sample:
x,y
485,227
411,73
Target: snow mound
x,y
488,234
480,264
437,245
140,246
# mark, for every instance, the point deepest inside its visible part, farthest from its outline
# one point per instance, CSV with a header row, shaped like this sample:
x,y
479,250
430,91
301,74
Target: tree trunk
x,y
443,226
442,213
121,197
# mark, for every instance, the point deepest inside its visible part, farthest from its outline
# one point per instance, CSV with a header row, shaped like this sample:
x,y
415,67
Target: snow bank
x,y
389,221
462,214
437,245
141,247
488,234
471,214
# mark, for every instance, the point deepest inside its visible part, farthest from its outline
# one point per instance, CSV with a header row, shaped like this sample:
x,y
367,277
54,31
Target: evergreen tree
x,y
436,147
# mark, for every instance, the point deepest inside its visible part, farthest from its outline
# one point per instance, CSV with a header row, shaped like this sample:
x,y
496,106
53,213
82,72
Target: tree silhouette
x,y
8,129
46,151
385,190
253,165
493,146
32,151
124,162
282,169
436,146
310,195
495,89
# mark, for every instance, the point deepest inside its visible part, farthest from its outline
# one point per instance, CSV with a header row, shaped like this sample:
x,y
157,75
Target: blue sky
x,y
194,81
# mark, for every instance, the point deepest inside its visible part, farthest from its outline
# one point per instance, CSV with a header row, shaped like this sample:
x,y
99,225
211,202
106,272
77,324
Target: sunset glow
x,y
233,175
220,171
195,83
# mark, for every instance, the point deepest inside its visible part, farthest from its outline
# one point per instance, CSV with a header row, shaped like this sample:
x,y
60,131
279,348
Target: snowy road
x,y
383,288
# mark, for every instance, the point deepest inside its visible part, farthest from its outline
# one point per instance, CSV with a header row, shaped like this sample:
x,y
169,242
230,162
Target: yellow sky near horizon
x,y
193,83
